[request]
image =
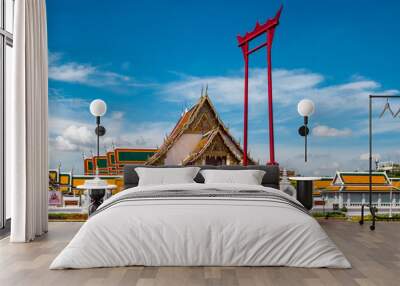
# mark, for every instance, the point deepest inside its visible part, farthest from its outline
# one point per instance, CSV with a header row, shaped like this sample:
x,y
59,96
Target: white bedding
x,y
188,231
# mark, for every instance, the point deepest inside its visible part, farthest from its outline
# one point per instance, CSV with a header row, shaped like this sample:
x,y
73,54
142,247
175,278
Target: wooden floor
x,y
375,257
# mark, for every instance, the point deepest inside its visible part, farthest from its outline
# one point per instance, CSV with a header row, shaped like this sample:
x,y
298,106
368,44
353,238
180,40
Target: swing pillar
x,y
267,28
270,37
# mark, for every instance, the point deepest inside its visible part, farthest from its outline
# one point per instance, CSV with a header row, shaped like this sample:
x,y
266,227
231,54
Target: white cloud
x,y
71,72
86,73
55,97
365,156
62,144
322,160
70,138
229,89
326,131
74,138
79,134
289,86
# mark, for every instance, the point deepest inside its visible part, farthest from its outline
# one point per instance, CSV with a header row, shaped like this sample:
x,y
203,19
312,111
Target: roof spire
x,y
206,94
202,88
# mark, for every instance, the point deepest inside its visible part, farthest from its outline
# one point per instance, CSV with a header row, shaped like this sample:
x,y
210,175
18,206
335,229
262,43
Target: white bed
x,y
264,229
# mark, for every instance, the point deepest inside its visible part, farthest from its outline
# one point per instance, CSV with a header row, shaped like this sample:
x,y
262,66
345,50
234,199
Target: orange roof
x,y
396,183
322,183
363,178
359,182
361,188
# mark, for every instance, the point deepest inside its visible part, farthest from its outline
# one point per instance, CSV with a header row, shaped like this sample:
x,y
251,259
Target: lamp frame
x,y
370,206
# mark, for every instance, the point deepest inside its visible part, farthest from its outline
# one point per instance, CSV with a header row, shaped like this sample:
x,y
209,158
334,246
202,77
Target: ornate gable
x,y
212,149
204,123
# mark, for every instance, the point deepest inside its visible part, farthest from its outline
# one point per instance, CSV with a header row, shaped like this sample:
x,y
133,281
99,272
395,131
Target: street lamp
x,y
98,108
97,187
305,108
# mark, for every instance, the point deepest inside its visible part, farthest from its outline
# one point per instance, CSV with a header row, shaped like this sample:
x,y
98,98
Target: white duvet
x,y
202,231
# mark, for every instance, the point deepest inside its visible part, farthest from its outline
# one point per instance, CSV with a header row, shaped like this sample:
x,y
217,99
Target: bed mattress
x,y
201,225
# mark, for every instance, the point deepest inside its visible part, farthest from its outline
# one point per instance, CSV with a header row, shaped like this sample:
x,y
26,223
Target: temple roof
x,y
360,178
359,182
204,144
183,125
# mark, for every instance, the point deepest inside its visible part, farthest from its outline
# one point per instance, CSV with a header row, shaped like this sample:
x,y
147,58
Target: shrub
x,y
329,214
68,216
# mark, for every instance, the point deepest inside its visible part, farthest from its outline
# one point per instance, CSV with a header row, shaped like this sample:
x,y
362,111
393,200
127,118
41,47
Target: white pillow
x,y
166,176
248,177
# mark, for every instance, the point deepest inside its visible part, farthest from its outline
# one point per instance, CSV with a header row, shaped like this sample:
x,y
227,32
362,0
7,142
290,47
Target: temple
x,y
199,138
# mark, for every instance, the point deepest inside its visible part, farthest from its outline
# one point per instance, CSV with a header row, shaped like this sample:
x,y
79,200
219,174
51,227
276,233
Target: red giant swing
x,y
268,29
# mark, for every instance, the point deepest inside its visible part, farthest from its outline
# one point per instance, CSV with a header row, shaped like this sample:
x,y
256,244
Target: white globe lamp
x,y
96,186
305,108
98,107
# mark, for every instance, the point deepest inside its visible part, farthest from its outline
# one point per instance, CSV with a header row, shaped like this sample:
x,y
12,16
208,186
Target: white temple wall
x,y
182,148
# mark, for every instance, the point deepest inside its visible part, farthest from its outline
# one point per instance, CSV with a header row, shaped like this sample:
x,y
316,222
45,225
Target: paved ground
x,y
375,257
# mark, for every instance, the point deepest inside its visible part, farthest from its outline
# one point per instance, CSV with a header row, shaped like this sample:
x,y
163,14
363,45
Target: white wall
x,y
182,148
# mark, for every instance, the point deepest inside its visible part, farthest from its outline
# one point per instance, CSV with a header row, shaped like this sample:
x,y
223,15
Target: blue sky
x,y
149,59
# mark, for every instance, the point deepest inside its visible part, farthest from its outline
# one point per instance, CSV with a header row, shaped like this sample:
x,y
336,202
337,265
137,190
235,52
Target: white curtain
x,y
26,123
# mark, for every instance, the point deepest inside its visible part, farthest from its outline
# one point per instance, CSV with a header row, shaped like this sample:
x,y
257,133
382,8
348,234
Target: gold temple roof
x,y
183,126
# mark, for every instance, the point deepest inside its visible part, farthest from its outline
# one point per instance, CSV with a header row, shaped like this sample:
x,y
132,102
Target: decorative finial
x,y
202,88
206,90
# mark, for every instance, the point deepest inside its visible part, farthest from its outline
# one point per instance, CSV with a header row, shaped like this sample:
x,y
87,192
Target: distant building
x,y
351,189
390,167
199,138
321,184
113,162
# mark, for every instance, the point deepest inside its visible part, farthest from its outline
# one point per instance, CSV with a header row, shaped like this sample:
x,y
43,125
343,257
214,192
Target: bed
x,y
201,224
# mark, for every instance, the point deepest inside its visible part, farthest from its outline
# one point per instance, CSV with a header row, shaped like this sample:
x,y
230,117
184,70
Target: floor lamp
x,y
371,207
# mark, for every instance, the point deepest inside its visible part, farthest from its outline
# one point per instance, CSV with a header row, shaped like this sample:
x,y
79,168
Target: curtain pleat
x,y
28,123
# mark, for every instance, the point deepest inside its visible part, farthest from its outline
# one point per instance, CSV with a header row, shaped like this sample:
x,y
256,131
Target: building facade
x,y
351,190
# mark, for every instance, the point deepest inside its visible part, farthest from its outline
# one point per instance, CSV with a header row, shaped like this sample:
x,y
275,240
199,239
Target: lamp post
x,y
305,108
98,108
97,187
